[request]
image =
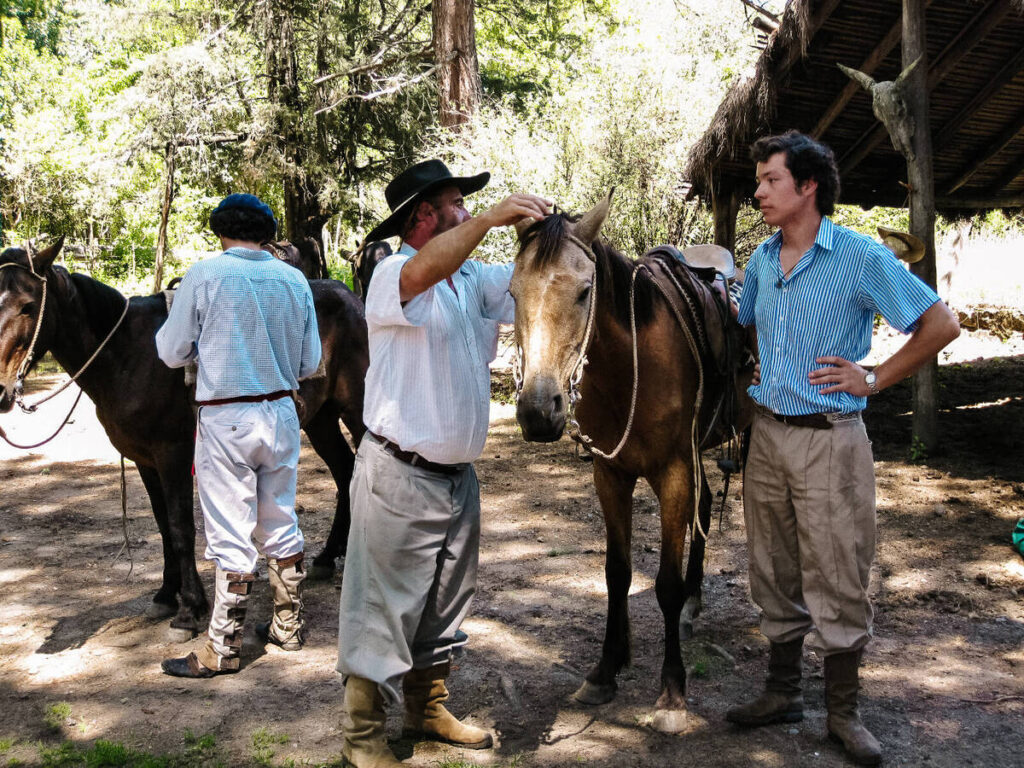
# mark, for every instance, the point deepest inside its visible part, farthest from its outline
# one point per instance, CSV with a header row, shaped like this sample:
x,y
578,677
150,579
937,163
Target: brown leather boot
x,y
841,686
286,630
782,700
426,717
364,723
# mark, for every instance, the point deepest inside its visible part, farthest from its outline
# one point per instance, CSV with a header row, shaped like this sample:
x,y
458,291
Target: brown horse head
x,y
21,294
553,286
364,262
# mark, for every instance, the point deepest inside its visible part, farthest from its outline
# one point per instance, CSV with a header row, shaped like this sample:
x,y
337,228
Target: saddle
x,y
696,282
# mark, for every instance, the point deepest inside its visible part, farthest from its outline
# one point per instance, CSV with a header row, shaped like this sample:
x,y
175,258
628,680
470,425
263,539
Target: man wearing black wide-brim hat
x,y
410,572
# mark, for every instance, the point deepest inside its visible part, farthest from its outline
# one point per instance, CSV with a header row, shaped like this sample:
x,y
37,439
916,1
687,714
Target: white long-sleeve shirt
x,y
428,387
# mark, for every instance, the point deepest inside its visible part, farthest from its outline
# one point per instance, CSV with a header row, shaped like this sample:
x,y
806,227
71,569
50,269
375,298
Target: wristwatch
x,y
872,381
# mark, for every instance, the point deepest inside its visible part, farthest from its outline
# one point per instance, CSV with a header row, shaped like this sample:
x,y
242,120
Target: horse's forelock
x,y
549,233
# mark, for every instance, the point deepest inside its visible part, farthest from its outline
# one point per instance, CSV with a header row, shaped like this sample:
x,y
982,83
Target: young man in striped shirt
x,y
812,290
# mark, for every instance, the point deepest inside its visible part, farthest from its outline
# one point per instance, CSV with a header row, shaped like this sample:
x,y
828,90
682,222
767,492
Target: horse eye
x,y
583,294
29,308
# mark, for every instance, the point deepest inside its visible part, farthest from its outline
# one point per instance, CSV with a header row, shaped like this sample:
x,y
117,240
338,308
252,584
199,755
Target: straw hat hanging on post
x,y
907,247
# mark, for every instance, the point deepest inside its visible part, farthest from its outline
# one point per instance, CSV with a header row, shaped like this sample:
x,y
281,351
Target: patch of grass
x,y
108,753
55,757
56,715
263,742
6,744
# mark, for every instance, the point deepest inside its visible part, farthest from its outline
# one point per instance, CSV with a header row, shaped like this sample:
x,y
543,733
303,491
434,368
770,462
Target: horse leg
x,y
165,601
694,584
675,494
174,482
615,492
326,438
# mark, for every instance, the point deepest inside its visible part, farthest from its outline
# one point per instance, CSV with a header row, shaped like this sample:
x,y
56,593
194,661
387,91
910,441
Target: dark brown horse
x,y
564,282
144,406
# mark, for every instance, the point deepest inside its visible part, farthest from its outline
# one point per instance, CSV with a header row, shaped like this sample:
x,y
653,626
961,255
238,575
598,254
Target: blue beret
x,y
243,200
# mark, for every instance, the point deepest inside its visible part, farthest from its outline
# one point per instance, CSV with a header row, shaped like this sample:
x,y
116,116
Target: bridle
x,y
576,372
26,363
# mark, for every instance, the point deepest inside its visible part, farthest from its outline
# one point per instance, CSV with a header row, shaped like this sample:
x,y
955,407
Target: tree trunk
x,y
725,207
165,215
302,215
922,203
458,71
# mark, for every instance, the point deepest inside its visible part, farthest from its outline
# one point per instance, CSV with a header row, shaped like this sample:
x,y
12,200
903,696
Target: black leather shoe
x,y
263,633
188,666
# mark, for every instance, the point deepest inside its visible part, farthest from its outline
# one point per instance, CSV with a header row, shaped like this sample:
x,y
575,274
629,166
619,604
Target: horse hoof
x,y
591,693
180,635
669,720
318,572
160,610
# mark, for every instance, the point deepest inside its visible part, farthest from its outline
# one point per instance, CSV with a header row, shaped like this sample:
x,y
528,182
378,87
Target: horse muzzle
x,y
541,410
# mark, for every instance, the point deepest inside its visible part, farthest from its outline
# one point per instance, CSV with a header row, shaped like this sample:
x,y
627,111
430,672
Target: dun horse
x,y
573,300
144,406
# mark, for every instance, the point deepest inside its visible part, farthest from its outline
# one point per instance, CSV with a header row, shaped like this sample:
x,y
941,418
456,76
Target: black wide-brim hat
x,y
411,184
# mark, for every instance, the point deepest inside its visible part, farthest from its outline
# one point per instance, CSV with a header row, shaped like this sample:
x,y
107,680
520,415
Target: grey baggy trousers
x,y
410,571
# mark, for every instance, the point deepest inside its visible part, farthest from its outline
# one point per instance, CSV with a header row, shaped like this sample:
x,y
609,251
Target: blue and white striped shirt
x,y
826,307
249,321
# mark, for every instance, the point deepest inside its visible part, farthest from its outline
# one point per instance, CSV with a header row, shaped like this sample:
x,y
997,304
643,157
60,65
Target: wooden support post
x,y
922,204
725,207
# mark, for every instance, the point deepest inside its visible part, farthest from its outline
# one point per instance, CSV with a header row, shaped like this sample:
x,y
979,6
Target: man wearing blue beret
x,y
249,323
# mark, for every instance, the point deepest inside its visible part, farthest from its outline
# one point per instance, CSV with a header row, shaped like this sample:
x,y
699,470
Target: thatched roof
x,y
976,87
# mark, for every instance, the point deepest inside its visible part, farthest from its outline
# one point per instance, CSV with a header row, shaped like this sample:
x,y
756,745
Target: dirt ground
x,y
943,680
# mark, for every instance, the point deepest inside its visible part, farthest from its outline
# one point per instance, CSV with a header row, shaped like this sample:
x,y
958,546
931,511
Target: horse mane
x,y
103,304
614,270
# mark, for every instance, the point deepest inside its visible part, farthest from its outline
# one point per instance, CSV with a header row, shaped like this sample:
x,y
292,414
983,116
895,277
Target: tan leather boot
x,y
364,723
782,700
286,630
426,716
842,684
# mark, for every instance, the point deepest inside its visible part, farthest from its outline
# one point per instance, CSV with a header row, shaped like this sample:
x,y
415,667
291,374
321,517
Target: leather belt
x,y
809,420
247,398
414,459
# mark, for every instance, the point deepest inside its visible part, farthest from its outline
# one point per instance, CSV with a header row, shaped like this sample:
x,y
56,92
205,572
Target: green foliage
x,y
263,742
6,744
64,754
918,450
56,715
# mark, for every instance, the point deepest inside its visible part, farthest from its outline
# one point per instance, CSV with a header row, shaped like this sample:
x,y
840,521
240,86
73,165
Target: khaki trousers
x,y
809,504
410,571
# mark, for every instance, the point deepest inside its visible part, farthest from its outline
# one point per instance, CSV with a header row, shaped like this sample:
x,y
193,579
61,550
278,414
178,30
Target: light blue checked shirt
x,y
826,307
249,321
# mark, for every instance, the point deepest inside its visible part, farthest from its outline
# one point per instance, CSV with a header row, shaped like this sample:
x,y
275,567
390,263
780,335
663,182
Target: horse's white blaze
x,y
540,335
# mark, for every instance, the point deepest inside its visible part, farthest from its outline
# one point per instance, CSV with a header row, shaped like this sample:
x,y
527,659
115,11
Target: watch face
x,y
869,379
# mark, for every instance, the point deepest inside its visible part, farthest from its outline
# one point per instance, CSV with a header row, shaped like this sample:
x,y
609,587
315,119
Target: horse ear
x,y
524,224
589,227
44,259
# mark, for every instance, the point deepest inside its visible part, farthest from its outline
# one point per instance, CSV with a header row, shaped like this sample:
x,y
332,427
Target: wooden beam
x,y
992,148
921,177
868,66
725,206
1000,79
982,203
1013,170
956,49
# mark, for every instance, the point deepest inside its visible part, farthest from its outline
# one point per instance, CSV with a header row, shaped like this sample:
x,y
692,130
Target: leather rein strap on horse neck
x,y
19,380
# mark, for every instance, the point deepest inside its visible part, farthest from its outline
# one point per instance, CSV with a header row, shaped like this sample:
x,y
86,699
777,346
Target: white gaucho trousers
x,y
246,457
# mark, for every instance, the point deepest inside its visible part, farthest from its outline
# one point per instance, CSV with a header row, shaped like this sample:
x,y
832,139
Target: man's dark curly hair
x,y
243,224
807,160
